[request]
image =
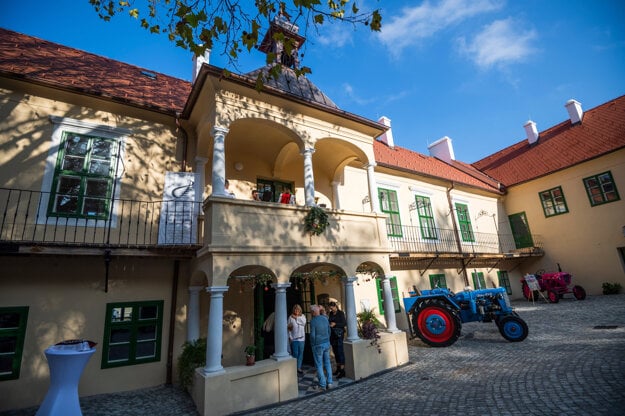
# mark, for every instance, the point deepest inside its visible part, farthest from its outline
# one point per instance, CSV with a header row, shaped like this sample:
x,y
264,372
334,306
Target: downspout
x,y
185,142
452,211
172,323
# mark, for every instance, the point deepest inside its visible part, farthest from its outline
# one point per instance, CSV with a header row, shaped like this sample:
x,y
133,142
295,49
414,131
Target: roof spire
x,y
282,39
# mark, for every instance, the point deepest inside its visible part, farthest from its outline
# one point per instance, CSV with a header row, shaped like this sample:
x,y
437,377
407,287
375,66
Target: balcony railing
x,y
131,223
445,241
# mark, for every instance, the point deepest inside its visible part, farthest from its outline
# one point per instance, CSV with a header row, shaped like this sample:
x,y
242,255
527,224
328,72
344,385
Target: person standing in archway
x,y
337,325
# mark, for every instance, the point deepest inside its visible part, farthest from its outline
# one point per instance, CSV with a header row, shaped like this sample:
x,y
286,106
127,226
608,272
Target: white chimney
x,y
198,61
387,136
575,111
531,131
442,149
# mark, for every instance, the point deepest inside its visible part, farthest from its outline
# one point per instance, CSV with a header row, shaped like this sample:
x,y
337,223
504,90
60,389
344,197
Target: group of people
x,y
286,197
325,331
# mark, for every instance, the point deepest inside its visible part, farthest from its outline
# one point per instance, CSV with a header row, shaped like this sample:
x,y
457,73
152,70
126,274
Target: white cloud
x,y
349,91
335,35
420,22
499,44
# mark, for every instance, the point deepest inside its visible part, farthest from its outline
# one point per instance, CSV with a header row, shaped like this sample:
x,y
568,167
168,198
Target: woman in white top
x,y
297,334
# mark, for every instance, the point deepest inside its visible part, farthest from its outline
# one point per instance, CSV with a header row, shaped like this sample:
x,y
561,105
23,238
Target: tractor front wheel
x,y
513,328
579,293
437,324
553,296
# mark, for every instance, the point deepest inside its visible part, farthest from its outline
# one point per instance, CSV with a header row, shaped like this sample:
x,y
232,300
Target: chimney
x,y
575,111
442,149
531,131
198,61
387,136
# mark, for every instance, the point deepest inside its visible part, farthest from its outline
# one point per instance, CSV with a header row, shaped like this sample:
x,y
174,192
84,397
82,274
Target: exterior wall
x,y
583,241
66,300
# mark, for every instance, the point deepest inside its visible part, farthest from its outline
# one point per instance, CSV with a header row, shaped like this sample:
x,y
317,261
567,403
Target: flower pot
x,y
250,360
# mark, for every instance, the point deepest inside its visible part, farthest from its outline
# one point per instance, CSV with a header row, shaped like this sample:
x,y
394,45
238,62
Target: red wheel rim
x,y
436,324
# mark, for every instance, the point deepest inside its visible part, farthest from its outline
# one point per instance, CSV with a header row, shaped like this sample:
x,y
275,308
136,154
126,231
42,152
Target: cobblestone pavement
x,y
572,363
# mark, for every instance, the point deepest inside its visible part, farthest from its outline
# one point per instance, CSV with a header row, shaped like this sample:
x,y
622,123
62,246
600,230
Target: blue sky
x,y
472,70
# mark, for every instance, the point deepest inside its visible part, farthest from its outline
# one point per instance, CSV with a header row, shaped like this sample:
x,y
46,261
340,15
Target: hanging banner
x,y
179,211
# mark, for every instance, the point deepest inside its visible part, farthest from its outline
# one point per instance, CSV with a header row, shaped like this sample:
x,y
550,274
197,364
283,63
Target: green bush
x,y
193,356
611,288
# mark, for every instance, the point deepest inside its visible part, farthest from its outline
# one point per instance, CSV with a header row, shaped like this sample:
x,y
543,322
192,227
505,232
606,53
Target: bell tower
x,y
282,28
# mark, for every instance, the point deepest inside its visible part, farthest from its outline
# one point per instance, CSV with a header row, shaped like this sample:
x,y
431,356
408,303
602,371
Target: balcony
x,y
443,249
26,226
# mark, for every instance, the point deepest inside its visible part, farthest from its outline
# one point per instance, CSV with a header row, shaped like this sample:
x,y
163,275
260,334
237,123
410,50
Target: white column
x,y
389,306
218,177
193,313
373,188
214,335
336,203
200,178
279,326
350,309
309,178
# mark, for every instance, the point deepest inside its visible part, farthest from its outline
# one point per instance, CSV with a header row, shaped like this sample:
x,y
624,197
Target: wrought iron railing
x,y
411,239
25,219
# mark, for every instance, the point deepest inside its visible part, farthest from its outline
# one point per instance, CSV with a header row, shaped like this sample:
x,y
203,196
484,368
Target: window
x,y
426,218
83,177
132,333
438,281
478,280
394,291
601,189
553,202
464,222
269,191
389,206
12,332
504,281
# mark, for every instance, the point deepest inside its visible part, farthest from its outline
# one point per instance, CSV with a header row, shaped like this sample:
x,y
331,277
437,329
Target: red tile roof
x,y
51,64
419,164
601,131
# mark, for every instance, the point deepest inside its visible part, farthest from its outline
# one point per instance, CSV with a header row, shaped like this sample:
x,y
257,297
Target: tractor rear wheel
x,y
437,324
579,293
553,296
513,328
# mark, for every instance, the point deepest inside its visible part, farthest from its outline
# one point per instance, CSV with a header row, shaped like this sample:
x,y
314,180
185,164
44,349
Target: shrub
x,y
368,325
193,356
611,288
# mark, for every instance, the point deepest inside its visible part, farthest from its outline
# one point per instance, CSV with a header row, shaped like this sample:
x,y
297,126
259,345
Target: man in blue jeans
x,y
320,344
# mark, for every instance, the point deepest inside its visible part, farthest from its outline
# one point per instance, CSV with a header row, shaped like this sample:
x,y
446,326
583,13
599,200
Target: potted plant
x,y
193,356
368,325
250,355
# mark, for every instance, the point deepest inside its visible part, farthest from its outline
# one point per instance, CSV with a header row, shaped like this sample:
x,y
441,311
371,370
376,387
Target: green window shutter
x,y
83,177
390,206
504,281
394,291
426,218
438,280
12,332
132,333
478,280
464,222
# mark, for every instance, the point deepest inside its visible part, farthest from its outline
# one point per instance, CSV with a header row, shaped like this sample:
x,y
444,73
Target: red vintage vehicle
x,y
556,284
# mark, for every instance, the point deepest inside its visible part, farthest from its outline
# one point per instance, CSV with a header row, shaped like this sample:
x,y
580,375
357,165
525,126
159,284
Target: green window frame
x,y
12,333
464,223
390,207
83,176
394,291
478,280
504,281
426,218
438,281
553,202
132,333
601,189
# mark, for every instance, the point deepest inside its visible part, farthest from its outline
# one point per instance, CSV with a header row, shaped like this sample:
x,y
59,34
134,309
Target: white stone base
x,y
243,387
363,359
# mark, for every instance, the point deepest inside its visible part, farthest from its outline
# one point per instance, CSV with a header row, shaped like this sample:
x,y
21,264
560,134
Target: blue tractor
x,y
437,315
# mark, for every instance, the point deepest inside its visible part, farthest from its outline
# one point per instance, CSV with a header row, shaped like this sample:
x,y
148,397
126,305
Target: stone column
x,y
281,337
309,177
214,336
350,309
373,188
336,203
200,178
389,306
218,178
193,313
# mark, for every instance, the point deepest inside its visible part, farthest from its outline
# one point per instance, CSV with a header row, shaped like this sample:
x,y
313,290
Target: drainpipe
x,y
456,232
172,323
